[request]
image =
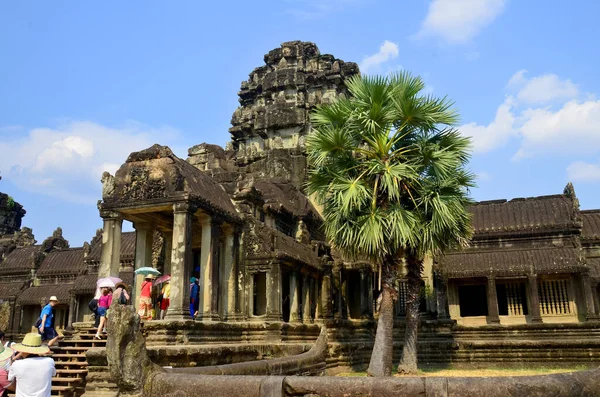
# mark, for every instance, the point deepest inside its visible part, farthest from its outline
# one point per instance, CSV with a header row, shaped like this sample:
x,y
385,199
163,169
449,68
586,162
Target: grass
x,y
499,371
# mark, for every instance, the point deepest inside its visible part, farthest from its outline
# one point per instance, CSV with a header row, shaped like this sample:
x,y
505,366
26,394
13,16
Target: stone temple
x,y
238,219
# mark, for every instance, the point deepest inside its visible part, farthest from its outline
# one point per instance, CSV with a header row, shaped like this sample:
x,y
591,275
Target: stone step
x,y
68,380
62,371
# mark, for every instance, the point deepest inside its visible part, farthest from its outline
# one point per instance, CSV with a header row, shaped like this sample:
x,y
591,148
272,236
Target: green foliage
x,y
10,203
389,169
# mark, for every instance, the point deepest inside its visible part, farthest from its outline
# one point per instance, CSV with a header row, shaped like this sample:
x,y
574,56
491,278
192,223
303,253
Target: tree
x,y
367,168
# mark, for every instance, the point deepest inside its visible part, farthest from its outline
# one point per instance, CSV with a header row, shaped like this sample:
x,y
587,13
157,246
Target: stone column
x,y
181,262
442,298
326,308
596,298
228,276
111,244
314,299
273,291
206,269
306,300
72,311
363,293
143,256
588,294
336,277
168,241
534,299
294,297
492,301
215,270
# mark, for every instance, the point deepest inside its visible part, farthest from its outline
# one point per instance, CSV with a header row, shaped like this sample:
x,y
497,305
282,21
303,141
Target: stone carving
x,y
302,234
24,237
56,241
11,214
277,96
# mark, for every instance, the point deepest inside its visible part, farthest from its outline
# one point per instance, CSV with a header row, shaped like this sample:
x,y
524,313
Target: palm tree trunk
x,y
414,267
383,348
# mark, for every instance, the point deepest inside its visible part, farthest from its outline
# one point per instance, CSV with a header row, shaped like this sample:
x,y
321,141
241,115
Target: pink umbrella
x,y
162,279
109,282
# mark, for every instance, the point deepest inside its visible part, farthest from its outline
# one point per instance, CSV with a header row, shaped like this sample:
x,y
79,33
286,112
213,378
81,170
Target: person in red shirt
x,y
145,307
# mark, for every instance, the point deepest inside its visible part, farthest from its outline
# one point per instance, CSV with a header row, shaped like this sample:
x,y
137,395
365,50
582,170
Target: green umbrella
x,y
146,270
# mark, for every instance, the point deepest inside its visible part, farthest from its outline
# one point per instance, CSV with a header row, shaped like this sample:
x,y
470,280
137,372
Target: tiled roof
x,y
86,284
127,248
21,260
279,194
40,295
591,225
524,215
478,263
8,290
69,261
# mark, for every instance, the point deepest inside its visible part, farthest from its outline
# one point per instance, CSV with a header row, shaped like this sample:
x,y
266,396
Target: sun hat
x,y
53,298
150,276
5,353
32,344
121,285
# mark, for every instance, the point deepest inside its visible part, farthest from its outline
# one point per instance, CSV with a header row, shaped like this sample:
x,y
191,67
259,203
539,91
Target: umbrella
x,y
162,279
146,271
107,282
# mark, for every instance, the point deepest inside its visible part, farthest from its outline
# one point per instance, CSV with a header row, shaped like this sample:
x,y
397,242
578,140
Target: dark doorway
x,y
472,300
260,294
285,296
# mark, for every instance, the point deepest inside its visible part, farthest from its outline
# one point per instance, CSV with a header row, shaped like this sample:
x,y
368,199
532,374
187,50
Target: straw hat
x,y
5,352
150,276
121,285
53,298
32,344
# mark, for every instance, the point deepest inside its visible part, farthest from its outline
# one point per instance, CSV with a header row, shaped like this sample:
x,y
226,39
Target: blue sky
x,y
84,83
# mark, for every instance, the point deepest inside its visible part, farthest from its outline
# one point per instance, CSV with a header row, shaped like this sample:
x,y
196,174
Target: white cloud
x,y
458,21
387,51
67,161
573,129
543,89
518,79
495,134
584,172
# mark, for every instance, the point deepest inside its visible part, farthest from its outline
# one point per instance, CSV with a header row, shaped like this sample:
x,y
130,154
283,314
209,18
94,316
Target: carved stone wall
x,y
11,214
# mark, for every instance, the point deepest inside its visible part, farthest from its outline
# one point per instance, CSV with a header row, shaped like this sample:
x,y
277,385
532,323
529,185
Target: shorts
x,y
48,334
102,311
164,304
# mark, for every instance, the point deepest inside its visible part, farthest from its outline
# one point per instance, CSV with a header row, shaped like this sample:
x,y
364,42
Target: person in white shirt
x,y
33,374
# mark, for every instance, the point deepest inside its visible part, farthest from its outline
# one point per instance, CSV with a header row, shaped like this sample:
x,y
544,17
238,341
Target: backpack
x,y
38,323
122,299
93,305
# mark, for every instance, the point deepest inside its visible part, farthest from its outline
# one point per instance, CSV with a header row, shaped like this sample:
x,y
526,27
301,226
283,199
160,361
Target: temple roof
x,y
20,260
156,175
69,261
279,194
12,289
504,262
40,295
525,215
86,284
127,248
591,225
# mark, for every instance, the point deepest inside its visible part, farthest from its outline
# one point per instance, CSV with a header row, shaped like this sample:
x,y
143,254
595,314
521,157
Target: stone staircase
x,y
70,362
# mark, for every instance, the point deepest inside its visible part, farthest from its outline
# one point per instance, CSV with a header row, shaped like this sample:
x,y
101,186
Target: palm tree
x,y
367,170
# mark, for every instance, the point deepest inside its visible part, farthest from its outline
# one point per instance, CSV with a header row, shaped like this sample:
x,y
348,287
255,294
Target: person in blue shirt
x,y
194,297
47,322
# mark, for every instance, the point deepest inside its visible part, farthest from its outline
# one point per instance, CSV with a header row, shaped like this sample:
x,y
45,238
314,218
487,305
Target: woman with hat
x,y
6,354
34,372
46,326
145,308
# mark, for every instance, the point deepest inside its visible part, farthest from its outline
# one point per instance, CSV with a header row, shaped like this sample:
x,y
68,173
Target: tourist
x,y
166,294
46,327
103,305
6,354
121,295
33,374
194,297
145,307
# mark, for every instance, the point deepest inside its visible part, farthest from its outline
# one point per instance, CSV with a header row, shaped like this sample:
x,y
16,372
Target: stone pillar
x,y
168,241
441,293
306,300
596,298
143,256
206,269
363,293
273,281
228,276
294,297
313,298
534,299
111,244
181,262
326,307
72,310
215,271
588,294
336,277
492,301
